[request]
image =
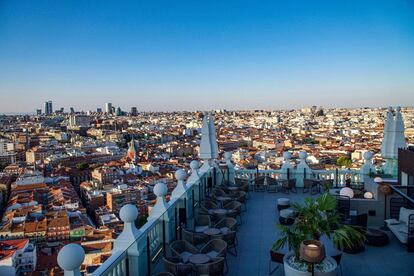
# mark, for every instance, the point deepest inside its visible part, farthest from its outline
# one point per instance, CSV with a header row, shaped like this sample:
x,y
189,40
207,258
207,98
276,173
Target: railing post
x,y
70,258
336,178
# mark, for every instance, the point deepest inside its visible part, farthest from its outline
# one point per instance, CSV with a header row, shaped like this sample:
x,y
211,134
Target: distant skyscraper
x,y
72,110
38,112
99,110
48,108
134,111
118,112
108,108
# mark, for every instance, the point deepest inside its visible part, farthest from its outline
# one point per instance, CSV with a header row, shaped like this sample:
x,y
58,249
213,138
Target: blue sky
x,y
187,55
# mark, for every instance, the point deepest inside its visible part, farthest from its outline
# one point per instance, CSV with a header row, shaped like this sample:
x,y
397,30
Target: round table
x,y
223,199
220,212
233,188
212,231
199,259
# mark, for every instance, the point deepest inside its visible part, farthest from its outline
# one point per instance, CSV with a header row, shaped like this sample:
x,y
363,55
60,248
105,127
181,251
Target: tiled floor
x,y
258,233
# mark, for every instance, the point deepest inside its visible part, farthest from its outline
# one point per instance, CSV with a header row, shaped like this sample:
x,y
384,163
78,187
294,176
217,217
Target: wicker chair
x,y
194,238
176,266
207,205
241,197
235,207
202,222
229,223
214,268
216,248
289,185
230,238
272,185
183,249
259,184
164,274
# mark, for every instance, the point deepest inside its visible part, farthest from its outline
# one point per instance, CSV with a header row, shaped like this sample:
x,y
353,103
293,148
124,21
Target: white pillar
x,y
368,167
129,240
181,187
287,166
302,169
70,258
161,206
230,174
194,176
128,214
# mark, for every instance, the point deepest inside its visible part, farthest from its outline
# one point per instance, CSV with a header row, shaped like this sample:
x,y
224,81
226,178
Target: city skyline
x,y
205,56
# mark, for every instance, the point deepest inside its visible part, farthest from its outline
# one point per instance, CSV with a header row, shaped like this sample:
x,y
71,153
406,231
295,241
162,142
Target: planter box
x,y
290,271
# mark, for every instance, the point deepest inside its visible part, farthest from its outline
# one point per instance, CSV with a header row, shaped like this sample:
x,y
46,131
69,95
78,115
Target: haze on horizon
x,y
187,55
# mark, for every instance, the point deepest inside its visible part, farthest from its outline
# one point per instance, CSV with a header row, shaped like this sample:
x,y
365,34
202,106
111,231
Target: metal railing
x,y
141,257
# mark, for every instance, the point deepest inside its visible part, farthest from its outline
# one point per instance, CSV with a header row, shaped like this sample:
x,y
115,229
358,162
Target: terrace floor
x,y
258,233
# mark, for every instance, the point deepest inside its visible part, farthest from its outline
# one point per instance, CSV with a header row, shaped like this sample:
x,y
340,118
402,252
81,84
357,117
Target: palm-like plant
x,y
317,218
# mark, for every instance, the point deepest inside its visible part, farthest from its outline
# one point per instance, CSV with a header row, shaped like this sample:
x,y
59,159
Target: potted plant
x,y
316,218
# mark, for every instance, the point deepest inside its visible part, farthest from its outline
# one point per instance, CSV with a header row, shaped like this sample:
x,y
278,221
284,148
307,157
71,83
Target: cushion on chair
x,y
224,230
201,229
405,214
400,231
283,201
212,254
287,213
185,256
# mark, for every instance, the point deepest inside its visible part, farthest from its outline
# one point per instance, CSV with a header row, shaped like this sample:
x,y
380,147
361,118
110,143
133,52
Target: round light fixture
x,y
368,195
346,192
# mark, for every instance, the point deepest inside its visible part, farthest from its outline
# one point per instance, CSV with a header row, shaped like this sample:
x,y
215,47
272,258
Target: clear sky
x,y
187,55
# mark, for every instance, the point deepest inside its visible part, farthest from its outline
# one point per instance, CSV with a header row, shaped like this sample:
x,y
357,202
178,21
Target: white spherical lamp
x,y
368,195
346,192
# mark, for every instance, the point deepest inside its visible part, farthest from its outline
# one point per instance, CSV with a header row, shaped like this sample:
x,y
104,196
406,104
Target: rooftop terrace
x,y
259,232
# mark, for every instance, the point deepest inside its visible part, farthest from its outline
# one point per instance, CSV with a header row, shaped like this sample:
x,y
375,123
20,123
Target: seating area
x,y
259,231
206,243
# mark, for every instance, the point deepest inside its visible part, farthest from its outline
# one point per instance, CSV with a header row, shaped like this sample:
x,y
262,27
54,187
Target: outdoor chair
x,y
183,249
343,206
193,237
216,248
176,266
201,223
207,205
234,206
241,197
227,224
289,185
214,268
259,184
272,185
230,238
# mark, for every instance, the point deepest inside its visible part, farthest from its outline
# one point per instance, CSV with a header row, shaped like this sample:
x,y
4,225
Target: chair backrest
x,y
231,223
188,235
201,220
214,268
217,245
343,205
230,238
176,266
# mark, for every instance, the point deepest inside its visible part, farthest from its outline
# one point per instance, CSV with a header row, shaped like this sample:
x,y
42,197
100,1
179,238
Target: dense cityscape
x,y
66,175
206,138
